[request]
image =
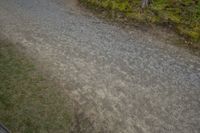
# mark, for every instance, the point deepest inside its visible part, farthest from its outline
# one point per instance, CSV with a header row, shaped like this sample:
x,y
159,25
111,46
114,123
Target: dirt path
x,y
125,82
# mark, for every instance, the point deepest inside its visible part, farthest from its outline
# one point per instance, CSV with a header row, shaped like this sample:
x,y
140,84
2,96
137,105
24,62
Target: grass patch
x,y
28,102
183,15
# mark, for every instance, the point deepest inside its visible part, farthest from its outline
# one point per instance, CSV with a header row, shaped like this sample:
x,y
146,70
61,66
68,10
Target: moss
x,y
189,32
105,4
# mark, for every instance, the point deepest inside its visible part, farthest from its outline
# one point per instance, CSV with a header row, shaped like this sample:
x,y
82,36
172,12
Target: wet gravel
x,y
124,81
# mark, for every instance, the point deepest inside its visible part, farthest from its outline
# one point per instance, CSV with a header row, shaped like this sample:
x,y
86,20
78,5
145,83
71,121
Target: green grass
x,y
183,15
28,102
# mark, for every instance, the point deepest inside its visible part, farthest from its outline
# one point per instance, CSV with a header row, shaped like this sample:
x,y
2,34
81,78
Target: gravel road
x,y
125,81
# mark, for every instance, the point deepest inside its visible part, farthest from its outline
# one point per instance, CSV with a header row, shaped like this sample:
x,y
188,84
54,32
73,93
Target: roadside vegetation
x,y
182,15
28,102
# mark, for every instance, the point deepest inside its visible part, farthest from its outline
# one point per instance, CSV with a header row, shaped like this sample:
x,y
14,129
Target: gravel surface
x,y
124,81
